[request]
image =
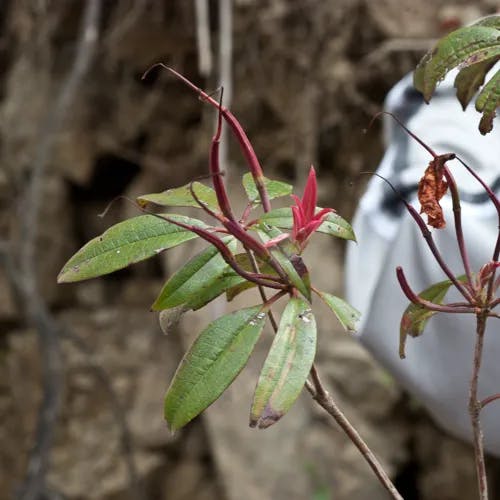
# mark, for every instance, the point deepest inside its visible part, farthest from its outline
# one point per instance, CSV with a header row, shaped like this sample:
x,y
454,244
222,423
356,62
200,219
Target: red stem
x,y
496,203
214,168
203,205
457,214
489,400
437,255
262,279
430,241
431,306
239,133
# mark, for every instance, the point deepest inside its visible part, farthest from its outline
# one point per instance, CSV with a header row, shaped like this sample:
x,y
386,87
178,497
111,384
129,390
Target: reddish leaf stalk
x,y
262,292
214,168
456,208
489,400
496,203
413,297
245,145
263,279
269,302
457,214
494,303
203,205
426,233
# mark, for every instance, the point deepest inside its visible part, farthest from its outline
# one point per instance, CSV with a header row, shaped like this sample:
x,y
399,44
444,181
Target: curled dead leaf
x,y
431,188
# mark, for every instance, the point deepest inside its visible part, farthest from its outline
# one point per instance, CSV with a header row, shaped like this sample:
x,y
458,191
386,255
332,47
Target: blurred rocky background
x,y
83,367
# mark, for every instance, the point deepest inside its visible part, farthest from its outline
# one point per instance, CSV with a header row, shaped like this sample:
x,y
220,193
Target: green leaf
x,y
487,102
275,189
182,197
464,47
469,79
333,225
287,365
212,363
125,243
199,281
292,264
244,262
415,317
346,314
492,21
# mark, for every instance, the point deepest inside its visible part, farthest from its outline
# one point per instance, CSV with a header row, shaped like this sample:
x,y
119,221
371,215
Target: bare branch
x,y
117,409
225,76
37,311
202,12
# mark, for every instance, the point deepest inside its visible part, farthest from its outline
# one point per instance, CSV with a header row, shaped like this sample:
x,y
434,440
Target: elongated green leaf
x,y
333,225
492,21
182,197
469,79
212,363
487,102
465,46
125,243
199,281
292,264
346,314
415,317
275,189
287,365
244,262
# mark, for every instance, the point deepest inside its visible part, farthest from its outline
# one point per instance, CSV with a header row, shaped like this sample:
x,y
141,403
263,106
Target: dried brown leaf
x,y
431,188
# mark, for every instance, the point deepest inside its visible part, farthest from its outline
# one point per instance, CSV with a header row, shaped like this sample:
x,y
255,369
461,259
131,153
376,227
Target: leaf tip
x,y
268,417
68,275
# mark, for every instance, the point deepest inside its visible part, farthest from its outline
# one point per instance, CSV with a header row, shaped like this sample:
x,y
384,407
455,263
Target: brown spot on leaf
x,y
269,417
431,188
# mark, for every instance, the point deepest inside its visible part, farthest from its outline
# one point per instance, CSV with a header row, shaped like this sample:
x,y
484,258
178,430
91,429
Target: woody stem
x,y
475,408
325,400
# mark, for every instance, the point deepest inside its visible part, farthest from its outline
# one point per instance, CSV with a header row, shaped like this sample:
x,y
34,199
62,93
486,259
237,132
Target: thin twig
x,y
475,408
496,203
202,13
262,292
225,66
36,309
457,215
427,304
117,409
489,399
426,233
323,398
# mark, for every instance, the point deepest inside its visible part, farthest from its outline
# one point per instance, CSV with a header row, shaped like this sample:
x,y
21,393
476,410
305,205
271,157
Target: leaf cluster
x,y
474,50
223,348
